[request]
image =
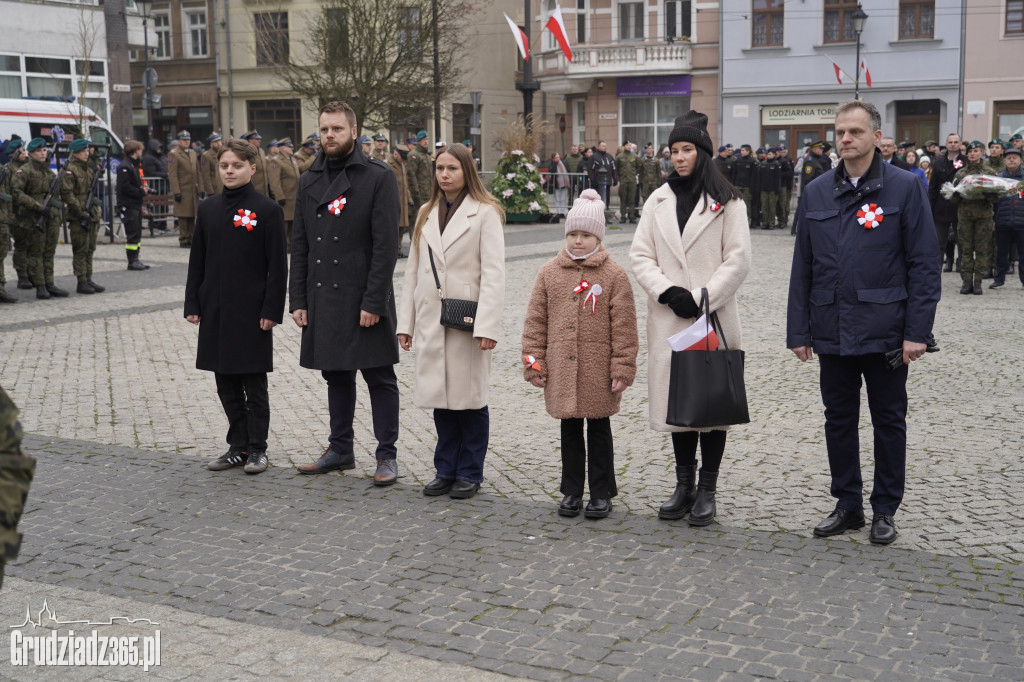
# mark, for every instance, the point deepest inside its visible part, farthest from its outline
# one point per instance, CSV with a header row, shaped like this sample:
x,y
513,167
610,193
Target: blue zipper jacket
x,y
855,290
1010,210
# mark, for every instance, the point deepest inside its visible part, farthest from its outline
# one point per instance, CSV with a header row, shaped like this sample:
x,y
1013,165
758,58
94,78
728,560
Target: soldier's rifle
x,y
49,202
93,198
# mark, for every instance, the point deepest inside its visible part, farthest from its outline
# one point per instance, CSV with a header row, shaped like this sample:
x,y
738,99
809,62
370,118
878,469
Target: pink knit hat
x,y
586,215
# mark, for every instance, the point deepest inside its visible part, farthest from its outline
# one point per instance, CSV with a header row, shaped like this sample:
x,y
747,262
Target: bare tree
x,y
82,65
378,56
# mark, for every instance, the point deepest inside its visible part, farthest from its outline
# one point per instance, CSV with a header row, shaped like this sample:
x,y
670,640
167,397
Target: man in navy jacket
x,y
865,281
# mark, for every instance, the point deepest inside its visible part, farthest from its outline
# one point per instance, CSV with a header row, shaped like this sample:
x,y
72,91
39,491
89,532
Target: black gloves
x,y
202,195
281,202
177,198
681,302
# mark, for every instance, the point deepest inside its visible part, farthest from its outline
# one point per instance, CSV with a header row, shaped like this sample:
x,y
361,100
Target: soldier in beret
x,y
30,188
82,214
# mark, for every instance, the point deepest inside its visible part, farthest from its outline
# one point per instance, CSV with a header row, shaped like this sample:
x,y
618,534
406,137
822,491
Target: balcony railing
x,y
616,59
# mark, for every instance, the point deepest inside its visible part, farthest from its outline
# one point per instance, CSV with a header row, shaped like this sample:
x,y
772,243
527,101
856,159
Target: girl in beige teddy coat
x,y
580,345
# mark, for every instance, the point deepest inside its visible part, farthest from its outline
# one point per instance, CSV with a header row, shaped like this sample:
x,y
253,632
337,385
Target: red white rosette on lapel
x,y
958,164
245,218
715,206
338,205
870,216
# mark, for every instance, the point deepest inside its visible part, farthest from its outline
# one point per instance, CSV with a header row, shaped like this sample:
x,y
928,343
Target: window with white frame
x,y
579,122
650,119
581,21
196,39
10,75
677,19
162,28
631,21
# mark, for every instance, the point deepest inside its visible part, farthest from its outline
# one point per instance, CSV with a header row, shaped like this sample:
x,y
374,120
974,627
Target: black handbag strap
x,y
711,321
430,253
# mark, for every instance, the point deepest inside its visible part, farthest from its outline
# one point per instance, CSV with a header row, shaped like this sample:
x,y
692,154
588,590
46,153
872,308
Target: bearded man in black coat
x,y
343,255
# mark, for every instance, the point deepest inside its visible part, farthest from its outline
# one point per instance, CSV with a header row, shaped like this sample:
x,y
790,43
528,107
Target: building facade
x,y
787,65
635,67
993,78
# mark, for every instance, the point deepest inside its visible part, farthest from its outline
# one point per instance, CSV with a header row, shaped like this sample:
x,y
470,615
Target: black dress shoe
x,y
840,521
85,288
570,506
96,287
597,508
56,291
462,490
329,461
25,283
883,530
185,245
439,486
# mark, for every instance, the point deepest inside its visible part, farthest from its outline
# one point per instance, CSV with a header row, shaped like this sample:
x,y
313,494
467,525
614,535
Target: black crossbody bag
x,y
456,313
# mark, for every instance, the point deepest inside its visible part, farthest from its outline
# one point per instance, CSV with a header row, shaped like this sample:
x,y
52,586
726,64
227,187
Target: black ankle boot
x,y
703,511
685,493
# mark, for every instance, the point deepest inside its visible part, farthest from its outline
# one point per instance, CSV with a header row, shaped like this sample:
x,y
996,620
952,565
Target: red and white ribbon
x,y
595,291
338,205
584,284
715,206
870,216
245,218
958,164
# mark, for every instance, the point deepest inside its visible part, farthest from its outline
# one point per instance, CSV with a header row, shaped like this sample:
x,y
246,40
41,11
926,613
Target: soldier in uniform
x,y
974,224
995,156
367,145
307,154
284,181
7,224
29,188
380,145
259,178
397,165
744,176
83,215
19,157
209,178
724,162
183,175
650,174
627,166
16,471
273,150
419,170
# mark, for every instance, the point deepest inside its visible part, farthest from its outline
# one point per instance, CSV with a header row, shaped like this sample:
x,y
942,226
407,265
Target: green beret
x,y
78,145
975,144
420,135
14,145
34,144
995,141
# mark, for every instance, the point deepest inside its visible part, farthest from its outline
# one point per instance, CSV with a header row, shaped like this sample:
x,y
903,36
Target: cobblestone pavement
x,y
122,422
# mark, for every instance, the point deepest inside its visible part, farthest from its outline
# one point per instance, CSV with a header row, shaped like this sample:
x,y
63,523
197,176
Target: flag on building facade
x,y
522,40
557,27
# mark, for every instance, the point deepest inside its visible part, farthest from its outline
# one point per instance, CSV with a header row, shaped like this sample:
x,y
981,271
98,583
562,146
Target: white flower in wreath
x,y
530,186
536,158
510,176
507,193
534,206
530,167
517,152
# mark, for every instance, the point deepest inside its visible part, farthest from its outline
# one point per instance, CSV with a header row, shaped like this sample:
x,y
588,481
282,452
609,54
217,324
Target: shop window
x,y
917,19
838,24
768,21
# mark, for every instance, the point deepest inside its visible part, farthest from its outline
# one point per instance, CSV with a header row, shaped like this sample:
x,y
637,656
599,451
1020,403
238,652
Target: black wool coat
x,y
235,277
344,263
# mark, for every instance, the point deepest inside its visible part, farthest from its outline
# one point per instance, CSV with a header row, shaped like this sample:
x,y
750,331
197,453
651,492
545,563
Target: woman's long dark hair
x,y
709,182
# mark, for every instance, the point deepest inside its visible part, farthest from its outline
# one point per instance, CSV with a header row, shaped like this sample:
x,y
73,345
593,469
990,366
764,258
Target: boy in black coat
x,y
237,275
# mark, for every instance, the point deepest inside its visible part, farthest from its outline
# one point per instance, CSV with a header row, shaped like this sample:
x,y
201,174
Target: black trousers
x,y
341,403
712,448
887,400
596,454
945,231
247,406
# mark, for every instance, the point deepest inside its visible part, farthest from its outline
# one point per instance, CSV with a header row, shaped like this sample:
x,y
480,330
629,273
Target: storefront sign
x,y
652,86
798,114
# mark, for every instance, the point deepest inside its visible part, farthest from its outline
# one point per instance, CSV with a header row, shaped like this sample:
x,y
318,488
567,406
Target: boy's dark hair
x,y
336,106
241,148
132,146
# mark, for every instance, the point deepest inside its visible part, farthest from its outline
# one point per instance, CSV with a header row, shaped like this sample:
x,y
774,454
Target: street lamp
x,y
145,8
858,17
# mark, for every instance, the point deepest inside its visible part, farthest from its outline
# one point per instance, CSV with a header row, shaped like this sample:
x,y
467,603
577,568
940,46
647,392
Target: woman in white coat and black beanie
x,y
693,234
462,228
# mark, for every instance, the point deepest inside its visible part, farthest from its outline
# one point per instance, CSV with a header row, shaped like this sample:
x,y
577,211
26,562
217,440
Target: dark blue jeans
x,y
887,401
462,437
341,403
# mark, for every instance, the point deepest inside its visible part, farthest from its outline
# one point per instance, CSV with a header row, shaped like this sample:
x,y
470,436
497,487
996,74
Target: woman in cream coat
x,y
463,226
693,234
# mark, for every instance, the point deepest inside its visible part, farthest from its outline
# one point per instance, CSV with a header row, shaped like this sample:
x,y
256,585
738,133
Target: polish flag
x,y
557,27
522,40
867,74
841,76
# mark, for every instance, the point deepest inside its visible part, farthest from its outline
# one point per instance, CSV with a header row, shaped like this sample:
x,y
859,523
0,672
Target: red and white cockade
x,y
715,206
245,218
870,216
338,205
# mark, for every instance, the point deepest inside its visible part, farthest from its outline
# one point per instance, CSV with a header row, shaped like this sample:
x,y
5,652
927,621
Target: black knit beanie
x,y
692,127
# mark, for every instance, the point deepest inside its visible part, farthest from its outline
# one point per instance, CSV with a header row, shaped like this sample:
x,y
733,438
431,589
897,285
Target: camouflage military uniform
x,y
6,216
650,177
627,165
418,169
75,182
16,471
29,186
20,236
974,230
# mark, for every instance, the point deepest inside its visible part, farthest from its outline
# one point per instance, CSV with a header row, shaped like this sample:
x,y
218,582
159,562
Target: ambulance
x,y
56,122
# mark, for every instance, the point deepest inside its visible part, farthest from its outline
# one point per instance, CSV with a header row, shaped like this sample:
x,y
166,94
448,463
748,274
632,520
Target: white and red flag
x,y
867,74
522,40
557,27
840,74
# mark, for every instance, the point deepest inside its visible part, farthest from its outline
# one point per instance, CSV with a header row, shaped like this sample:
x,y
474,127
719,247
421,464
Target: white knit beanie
x,y
586,215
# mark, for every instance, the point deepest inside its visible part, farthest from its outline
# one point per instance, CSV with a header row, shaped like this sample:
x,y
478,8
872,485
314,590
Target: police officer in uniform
x,y
744,177
29,188
209,177
786,191
284,181
724,162
627,165
769,182
974,224
183,175
83,215
16,471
